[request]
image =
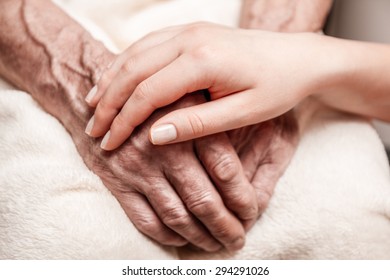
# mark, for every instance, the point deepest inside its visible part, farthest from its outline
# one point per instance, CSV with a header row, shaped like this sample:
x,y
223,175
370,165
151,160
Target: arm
x,y
285,15
169,198
275,15
276,70
357,77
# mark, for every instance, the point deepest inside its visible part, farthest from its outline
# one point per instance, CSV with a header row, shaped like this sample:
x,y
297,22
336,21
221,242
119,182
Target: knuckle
x,y
147,225
203,206
105,80
105,112
105,104
175,218
142,93
242,200
194,29
121,122
226,168
204,52
196,124
129,65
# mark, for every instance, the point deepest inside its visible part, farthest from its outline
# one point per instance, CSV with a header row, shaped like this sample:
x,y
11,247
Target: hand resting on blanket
x,y
165,191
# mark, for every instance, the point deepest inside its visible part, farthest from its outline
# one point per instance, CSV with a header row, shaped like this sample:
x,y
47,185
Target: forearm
x,y
358,77
46,53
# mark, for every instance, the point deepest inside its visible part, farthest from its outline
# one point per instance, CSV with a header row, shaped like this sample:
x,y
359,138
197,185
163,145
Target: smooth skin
x,y
251,75
181,52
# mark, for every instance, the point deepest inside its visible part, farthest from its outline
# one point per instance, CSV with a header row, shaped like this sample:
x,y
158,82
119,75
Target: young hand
x,y
251,75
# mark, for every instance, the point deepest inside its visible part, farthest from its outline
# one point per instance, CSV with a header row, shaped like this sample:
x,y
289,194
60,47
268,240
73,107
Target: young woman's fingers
x,y
164,87
132,73
149,41
219,115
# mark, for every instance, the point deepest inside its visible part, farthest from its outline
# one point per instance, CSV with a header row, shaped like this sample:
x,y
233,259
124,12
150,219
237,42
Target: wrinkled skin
x,y
265,150
171,180
165,191
285,15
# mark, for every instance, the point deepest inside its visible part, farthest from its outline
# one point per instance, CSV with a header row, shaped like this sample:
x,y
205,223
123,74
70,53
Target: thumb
x,y
219,115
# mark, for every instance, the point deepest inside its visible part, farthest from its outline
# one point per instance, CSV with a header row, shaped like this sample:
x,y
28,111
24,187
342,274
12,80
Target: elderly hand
x,y
166,191
285,15
168,194
265,150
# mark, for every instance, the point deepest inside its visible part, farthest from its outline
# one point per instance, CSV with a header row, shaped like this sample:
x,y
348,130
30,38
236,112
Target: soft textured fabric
x,y
333,202
364,21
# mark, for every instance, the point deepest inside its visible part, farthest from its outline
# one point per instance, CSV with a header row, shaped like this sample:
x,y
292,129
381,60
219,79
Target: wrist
x,y
330,64
49,55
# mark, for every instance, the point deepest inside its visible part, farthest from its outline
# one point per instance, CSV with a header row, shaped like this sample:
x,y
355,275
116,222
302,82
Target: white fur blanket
x,y
333,202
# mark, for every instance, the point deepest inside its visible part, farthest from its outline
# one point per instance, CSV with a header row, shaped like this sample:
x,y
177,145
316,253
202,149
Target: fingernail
x,y
106,137
163,134
90,124
91,94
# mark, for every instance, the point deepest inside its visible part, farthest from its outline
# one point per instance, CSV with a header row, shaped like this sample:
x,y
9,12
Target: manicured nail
x,y
163,134
106,137
91,94
90,124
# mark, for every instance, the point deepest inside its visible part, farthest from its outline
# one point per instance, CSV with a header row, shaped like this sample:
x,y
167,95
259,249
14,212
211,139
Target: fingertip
x,y
105,141
114,139
88,129
91,95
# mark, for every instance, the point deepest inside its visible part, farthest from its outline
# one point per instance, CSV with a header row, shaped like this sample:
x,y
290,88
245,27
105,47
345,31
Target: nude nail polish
x,y
106,137
90,124
163,134
91,94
